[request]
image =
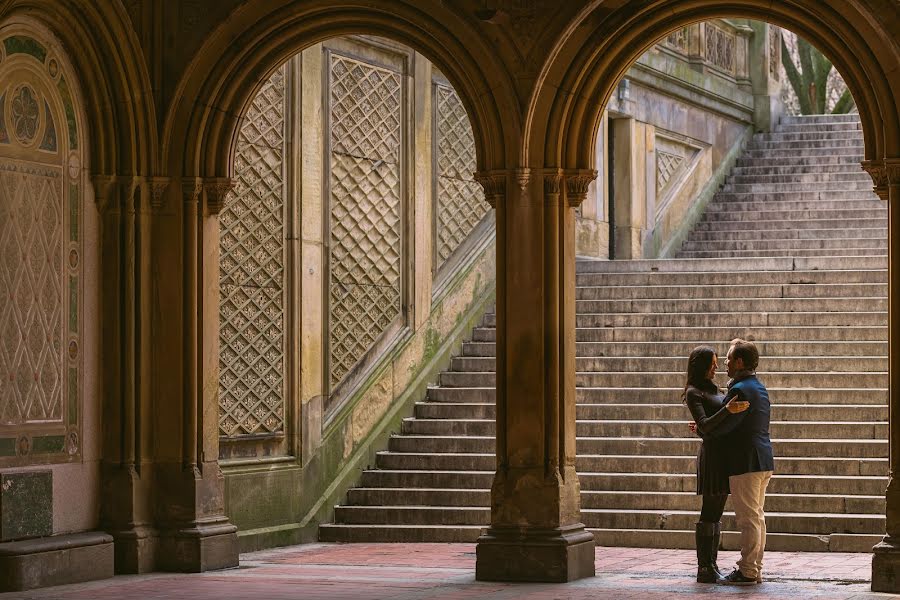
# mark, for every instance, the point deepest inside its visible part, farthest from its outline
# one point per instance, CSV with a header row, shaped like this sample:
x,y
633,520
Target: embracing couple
x,y
735,457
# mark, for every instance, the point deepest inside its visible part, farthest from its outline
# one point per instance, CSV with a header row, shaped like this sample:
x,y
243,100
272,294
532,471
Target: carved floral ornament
x,y
217,189
494,184
884,173
577,183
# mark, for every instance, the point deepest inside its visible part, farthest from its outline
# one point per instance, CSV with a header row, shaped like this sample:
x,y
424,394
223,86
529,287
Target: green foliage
x,y
810,80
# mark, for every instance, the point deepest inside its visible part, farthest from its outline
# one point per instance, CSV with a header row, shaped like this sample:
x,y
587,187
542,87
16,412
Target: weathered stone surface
x,y
55,560
26,505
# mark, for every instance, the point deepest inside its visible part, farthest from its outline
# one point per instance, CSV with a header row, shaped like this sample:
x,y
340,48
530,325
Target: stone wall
x,y
356,253
678,119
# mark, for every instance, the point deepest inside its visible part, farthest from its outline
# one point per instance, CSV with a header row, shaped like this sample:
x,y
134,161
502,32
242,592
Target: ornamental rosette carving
x,y
577,183
217,189
494,185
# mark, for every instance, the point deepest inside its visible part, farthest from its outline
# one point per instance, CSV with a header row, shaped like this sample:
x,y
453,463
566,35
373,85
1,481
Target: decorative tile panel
x,y
460,200
365,208
678,40
720,46
31,328
251,274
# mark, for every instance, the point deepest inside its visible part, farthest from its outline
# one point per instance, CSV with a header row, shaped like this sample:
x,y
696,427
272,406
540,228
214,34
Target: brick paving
x,y
426,571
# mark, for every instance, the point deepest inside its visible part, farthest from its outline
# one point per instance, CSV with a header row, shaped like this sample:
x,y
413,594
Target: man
x,y
750,459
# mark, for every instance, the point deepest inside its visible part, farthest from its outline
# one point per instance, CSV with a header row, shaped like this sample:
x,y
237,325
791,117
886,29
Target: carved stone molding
x,y
553,179
892,171
876,170
104,191
577,183
523,177
217,189
494,184
191,188
158,187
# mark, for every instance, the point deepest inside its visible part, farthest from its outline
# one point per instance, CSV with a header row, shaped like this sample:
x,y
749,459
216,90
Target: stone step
x,y
859,379
723,278
813,179
723,225
823,127
770,244
798,146
733,290
614,499
645,428
672,394
701,333
810,195
641,455
831,187
812,135
635,364
879,233
799,160
669,411
818,119
733,265
777,168
656,482
776,522
766,349
663,305
818,214
653,538
780,151
756,254
725,319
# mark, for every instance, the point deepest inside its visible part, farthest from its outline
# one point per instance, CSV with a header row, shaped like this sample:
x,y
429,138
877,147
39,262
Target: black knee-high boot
x,y
706,537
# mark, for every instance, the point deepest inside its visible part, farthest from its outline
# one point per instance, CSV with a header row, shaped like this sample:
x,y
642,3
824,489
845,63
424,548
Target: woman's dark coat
x,y
706,406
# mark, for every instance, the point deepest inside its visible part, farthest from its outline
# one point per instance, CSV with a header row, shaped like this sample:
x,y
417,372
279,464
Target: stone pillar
x,y
886,554
536,532
630,187
765,68
126,468
195,535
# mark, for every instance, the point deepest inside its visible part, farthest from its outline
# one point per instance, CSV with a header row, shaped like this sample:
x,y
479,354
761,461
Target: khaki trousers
x,y
748,495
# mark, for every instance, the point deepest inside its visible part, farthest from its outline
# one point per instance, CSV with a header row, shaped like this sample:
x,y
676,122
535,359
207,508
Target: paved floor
x,y
420,571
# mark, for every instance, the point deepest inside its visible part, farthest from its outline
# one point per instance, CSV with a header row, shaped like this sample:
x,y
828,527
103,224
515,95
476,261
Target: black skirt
x,y
712,468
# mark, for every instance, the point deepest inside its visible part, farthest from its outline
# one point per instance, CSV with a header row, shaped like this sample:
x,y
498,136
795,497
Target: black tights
x,y
713,507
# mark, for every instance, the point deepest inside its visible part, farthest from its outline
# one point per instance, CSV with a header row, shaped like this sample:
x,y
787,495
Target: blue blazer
x,y
747,433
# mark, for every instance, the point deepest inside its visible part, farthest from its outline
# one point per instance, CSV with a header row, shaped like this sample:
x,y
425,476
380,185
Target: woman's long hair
x,y
699,362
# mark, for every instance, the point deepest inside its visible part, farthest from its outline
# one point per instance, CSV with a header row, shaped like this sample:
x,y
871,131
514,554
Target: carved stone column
x,y
886,554
536,532
126,470
195,535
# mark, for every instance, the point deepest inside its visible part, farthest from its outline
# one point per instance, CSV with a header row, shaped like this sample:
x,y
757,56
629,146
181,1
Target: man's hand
x,y
735,406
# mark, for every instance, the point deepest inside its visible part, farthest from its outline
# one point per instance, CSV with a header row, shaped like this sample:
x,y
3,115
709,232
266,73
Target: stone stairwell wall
x,y
347,283
790,253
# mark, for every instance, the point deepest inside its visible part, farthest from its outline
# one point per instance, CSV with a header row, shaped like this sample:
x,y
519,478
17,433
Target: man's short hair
x,y
747,351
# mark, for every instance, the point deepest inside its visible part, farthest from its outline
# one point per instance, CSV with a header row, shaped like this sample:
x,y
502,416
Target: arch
x,y
120,116
201,128
589,61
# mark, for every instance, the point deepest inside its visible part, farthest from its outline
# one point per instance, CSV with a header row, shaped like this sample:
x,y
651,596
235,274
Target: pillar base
x,y
536,555
200,547
886,566
135,550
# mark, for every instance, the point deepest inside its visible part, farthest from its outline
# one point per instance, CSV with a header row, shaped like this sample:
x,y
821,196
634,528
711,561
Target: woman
x,y
702,397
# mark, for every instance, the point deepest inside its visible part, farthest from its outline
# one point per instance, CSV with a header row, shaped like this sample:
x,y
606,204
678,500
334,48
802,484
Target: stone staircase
x,y
791,253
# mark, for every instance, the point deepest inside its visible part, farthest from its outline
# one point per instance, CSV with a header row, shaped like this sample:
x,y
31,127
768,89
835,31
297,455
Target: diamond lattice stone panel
x,y
666,166
251,270
30,294
365,208
460,200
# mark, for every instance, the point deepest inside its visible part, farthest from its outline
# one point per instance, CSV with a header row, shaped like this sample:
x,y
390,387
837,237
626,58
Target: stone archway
x,y
560,130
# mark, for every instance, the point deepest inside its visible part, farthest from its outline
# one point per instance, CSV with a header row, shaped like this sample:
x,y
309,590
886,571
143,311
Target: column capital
x,y
191,188
494,184
878,170
217,189
158,187
553,180
577,183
